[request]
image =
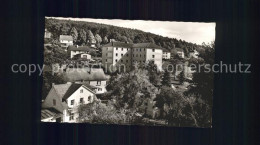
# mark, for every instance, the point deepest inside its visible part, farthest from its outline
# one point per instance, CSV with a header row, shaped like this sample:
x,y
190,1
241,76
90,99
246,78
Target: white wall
x,y
77,95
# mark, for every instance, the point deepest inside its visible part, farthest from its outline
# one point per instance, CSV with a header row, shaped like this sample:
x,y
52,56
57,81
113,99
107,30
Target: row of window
x,y
81,100
136,49
121,60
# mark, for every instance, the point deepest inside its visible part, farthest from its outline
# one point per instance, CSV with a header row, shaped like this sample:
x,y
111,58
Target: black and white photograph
x,y
128,72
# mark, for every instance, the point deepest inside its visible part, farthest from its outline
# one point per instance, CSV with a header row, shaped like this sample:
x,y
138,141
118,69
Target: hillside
x,y
84,32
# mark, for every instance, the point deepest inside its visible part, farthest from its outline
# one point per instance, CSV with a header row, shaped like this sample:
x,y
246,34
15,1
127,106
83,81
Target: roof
x,y
61,89
179,49
50,112
146,45
73,88
131,45
165,50
119,44
86,74
66,37
80,48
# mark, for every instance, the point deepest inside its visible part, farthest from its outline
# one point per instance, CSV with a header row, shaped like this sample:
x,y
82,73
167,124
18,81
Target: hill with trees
x,y
88,32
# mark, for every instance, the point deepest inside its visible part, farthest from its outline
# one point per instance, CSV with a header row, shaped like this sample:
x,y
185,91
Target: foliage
x,y
182,77
153,73
98,112
82,36
54,54
48,79
132,90
58,27
166,80
98,39
74,34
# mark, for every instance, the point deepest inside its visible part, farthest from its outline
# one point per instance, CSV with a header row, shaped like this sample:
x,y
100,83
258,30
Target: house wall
x,y
107,57
166,55
157,56
77,95
101,85
67,113
48,102
139,55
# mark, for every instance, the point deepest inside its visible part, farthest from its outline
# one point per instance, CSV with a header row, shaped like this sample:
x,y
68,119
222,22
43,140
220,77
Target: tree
x,y
98,39
74,34
105,40
151,40
90,37
82,36
48,79
166,80
182,77
153,73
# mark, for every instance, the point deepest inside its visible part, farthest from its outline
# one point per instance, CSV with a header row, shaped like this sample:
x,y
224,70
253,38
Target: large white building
x,y
119,55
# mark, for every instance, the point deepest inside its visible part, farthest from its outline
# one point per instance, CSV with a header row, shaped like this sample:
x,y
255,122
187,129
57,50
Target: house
x,y
95,77
120,55
47,34
50,115
66,40
166,54
83,50
65,98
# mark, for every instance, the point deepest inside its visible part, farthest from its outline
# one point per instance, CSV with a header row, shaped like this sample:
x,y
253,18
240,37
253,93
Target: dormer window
x,y
72,102
81,91
89,98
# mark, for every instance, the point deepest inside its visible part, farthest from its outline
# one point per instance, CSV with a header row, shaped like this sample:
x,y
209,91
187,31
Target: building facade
x,y
119,55
66,40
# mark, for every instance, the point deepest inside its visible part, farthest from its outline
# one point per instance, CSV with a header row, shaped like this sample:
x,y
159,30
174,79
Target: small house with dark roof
x,y
84,50
166,53
123,56
65,98
66,40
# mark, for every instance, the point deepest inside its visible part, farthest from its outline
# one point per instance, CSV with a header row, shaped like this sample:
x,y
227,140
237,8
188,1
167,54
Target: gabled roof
x,y
146,45
131,45
119,44
73,88
66,37
61,89
80,48
86,74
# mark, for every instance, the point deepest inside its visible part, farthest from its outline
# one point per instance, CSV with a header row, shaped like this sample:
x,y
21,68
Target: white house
x,y
66,40
65,98
81,51
166,54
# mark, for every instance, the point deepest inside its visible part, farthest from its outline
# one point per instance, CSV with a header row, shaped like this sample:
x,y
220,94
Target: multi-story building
x,y
119,55
166,54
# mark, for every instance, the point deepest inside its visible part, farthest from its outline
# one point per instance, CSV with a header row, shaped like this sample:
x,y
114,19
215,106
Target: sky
x,y
188,31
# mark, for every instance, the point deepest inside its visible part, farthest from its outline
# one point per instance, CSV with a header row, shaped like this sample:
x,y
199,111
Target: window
x,y
106,60
89,98
140,49
122,49
72,102
136,55
71,116
99,89
127,49
116,48
116,54
126,60
153,56
106,54
133,55
121,54
98,83
81,91
116,60
121,60
81,100
127,55
107,48
54,102
140,55
153,50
